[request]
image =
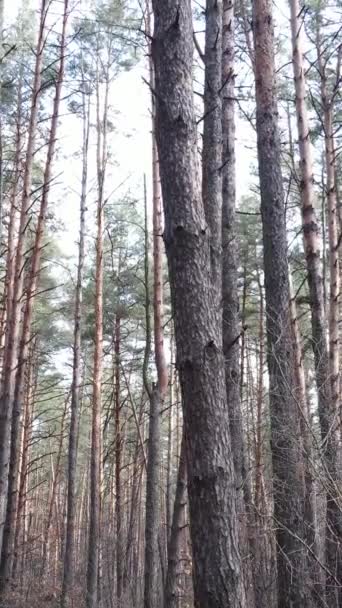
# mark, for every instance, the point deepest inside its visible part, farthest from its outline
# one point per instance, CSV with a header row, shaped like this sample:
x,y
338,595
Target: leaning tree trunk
x,y
198,324
285,419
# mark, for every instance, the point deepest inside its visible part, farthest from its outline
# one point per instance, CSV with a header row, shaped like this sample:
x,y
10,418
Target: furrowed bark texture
x,y
198,325
285,420
212,140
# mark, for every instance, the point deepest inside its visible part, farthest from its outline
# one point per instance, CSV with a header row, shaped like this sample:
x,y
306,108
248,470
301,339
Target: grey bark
x,y
68,571
198,325
171,591
285,420
230,296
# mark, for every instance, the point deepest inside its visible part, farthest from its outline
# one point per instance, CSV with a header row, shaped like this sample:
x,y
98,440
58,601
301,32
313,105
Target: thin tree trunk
x,y
230,295
174,545
96,442
12,330
157,392
118,463
18,400
331,418
198,324
69,558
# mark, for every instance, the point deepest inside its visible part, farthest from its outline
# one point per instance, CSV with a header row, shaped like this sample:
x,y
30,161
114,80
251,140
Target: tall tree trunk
x,y
331,419
198,324
69,558
19,397
231,321
157,392
12,329
285,420
94,545
118,462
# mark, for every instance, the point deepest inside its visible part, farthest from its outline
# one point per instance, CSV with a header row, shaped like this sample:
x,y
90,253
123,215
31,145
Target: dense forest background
x,y
170,307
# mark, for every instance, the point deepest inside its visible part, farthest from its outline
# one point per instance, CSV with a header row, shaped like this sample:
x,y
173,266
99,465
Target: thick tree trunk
x,y
198,325
285,419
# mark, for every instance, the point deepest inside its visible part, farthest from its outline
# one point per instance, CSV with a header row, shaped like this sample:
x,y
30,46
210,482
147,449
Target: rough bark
x,y
230,294
285,421
198,325
212,141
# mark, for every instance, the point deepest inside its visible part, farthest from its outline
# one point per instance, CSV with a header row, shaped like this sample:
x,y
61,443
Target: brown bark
x,y
198,324
19,397
285,421
12,329
326,363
